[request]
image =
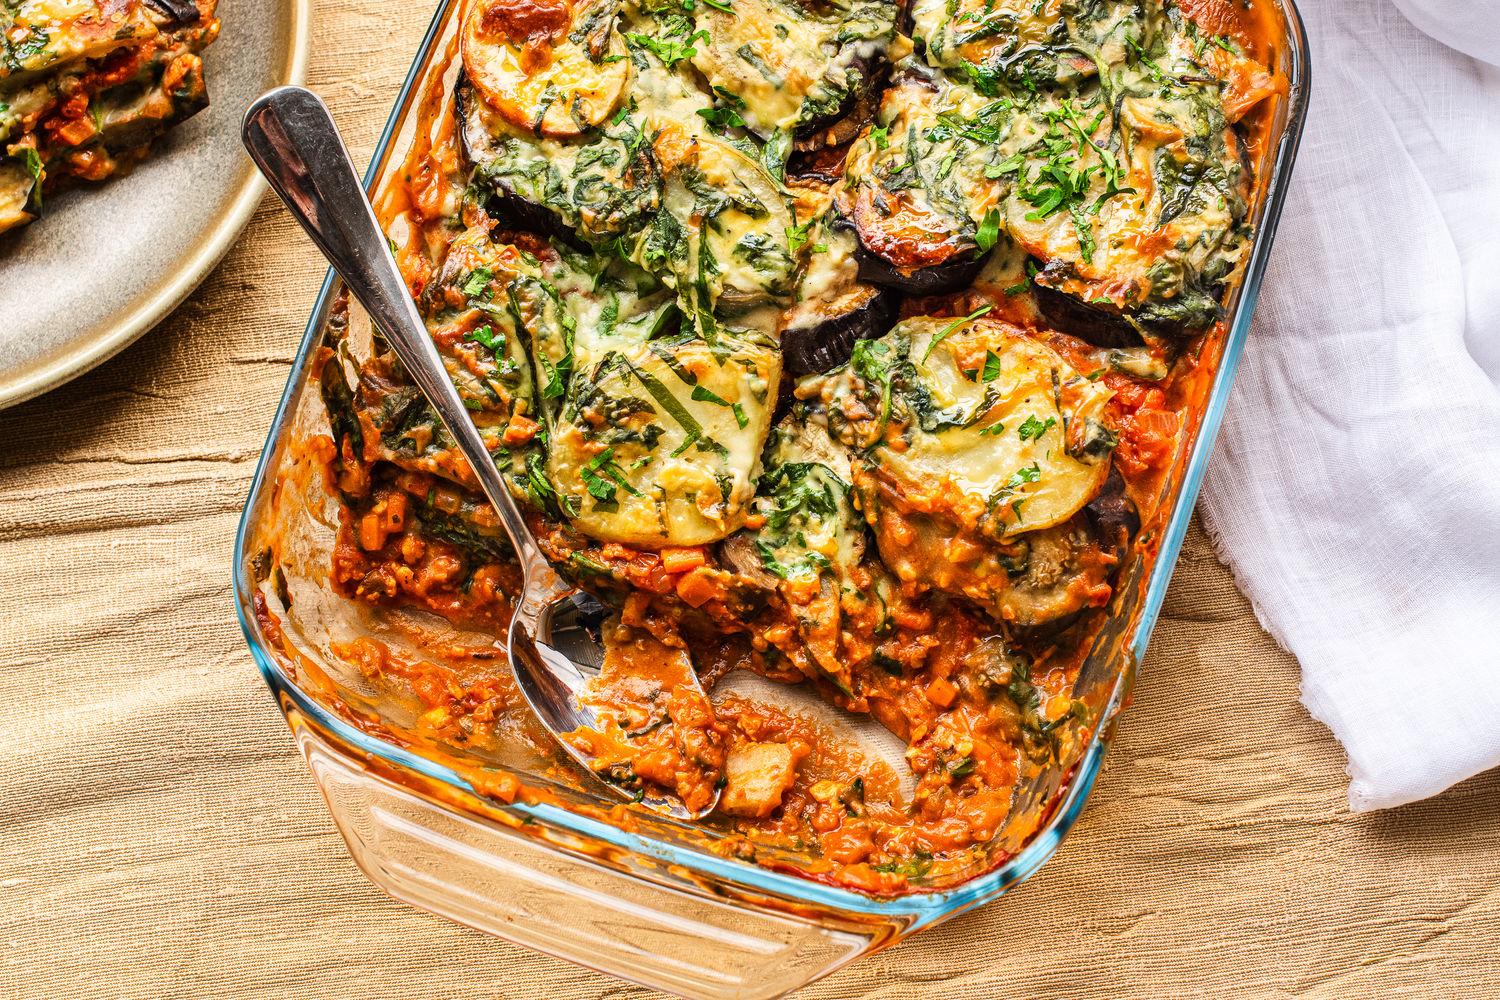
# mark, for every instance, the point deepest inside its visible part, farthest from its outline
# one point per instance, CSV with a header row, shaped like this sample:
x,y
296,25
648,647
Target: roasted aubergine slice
x,y
1128,188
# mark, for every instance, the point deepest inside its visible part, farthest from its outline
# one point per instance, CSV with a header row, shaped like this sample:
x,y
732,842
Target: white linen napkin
x,y
1355,489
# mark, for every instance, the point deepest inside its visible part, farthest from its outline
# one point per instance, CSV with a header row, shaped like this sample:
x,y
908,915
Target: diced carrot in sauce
x,y
941,692
680,560
520,430
697,588
371,533
395,512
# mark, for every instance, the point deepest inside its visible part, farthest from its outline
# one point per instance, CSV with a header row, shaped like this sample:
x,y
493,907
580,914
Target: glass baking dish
x,y
562,870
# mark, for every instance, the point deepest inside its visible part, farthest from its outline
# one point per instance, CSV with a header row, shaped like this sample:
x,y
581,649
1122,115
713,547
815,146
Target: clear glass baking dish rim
x,y
919,908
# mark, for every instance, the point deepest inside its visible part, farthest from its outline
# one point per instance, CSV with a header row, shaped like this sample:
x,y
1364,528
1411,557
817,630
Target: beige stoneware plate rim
x,y
99,345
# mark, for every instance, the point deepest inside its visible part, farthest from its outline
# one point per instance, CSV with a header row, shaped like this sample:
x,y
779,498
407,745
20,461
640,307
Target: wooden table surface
x,y
159,837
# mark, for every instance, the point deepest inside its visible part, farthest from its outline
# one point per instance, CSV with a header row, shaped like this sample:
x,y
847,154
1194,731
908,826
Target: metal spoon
x,y
554,644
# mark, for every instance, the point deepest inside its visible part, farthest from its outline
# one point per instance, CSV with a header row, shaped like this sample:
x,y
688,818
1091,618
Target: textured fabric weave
x,y
1356,486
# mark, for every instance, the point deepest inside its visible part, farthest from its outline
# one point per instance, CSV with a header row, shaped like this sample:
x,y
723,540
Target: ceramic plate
x,y
107,262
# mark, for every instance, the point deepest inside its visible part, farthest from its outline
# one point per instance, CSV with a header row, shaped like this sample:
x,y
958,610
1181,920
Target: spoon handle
x,y
292,139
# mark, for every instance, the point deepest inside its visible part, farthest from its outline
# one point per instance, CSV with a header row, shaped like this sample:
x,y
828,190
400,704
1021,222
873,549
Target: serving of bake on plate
x,y
121,182
849,346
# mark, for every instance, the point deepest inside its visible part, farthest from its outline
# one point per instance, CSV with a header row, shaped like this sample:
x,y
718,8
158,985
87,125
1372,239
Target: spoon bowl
x,y
554,644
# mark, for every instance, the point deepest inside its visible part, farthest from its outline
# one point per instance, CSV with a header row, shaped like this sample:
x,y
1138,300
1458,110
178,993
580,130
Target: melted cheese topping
x,y
934,533
45,34
736,220
1033,454
650,459
955,31
787,64
811,524
997,433
1129,186
525,61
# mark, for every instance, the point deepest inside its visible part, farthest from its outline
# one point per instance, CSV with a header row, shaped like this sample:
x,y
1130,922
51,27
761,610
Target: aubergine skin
x,y
464,97
181,11
825,166
1112,523
958,271
1113,516
1099,327
822,347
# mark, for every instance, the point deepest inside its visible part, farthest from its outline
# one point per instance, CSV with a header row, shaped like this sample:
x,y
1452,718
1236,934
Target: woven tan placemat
x,y
159,838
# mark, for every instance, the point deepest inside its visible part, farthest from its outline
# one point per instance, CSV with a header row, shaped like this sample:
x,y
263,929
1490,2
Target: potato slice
x,y
1036,449
735,219
985,426
792,64
523,58
657,442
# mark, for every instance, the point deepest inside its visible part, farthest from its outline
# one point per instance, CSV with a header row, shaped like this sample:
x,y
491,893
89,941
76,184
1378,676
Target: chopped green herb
x,y
797,236
989,230
961,767
721,118
1032,429
991,366
703,395
486,337
478,281
670,51
919,864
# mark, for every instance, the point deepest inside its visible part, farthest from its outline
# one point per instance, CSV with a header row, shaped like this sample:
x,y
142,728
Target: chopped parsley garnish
x,y
670,51
486,337
1062,184
991,366
989,230
478,281
1007,493
721,118
1032,429
1022,476
797,237
1025,283
961,767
